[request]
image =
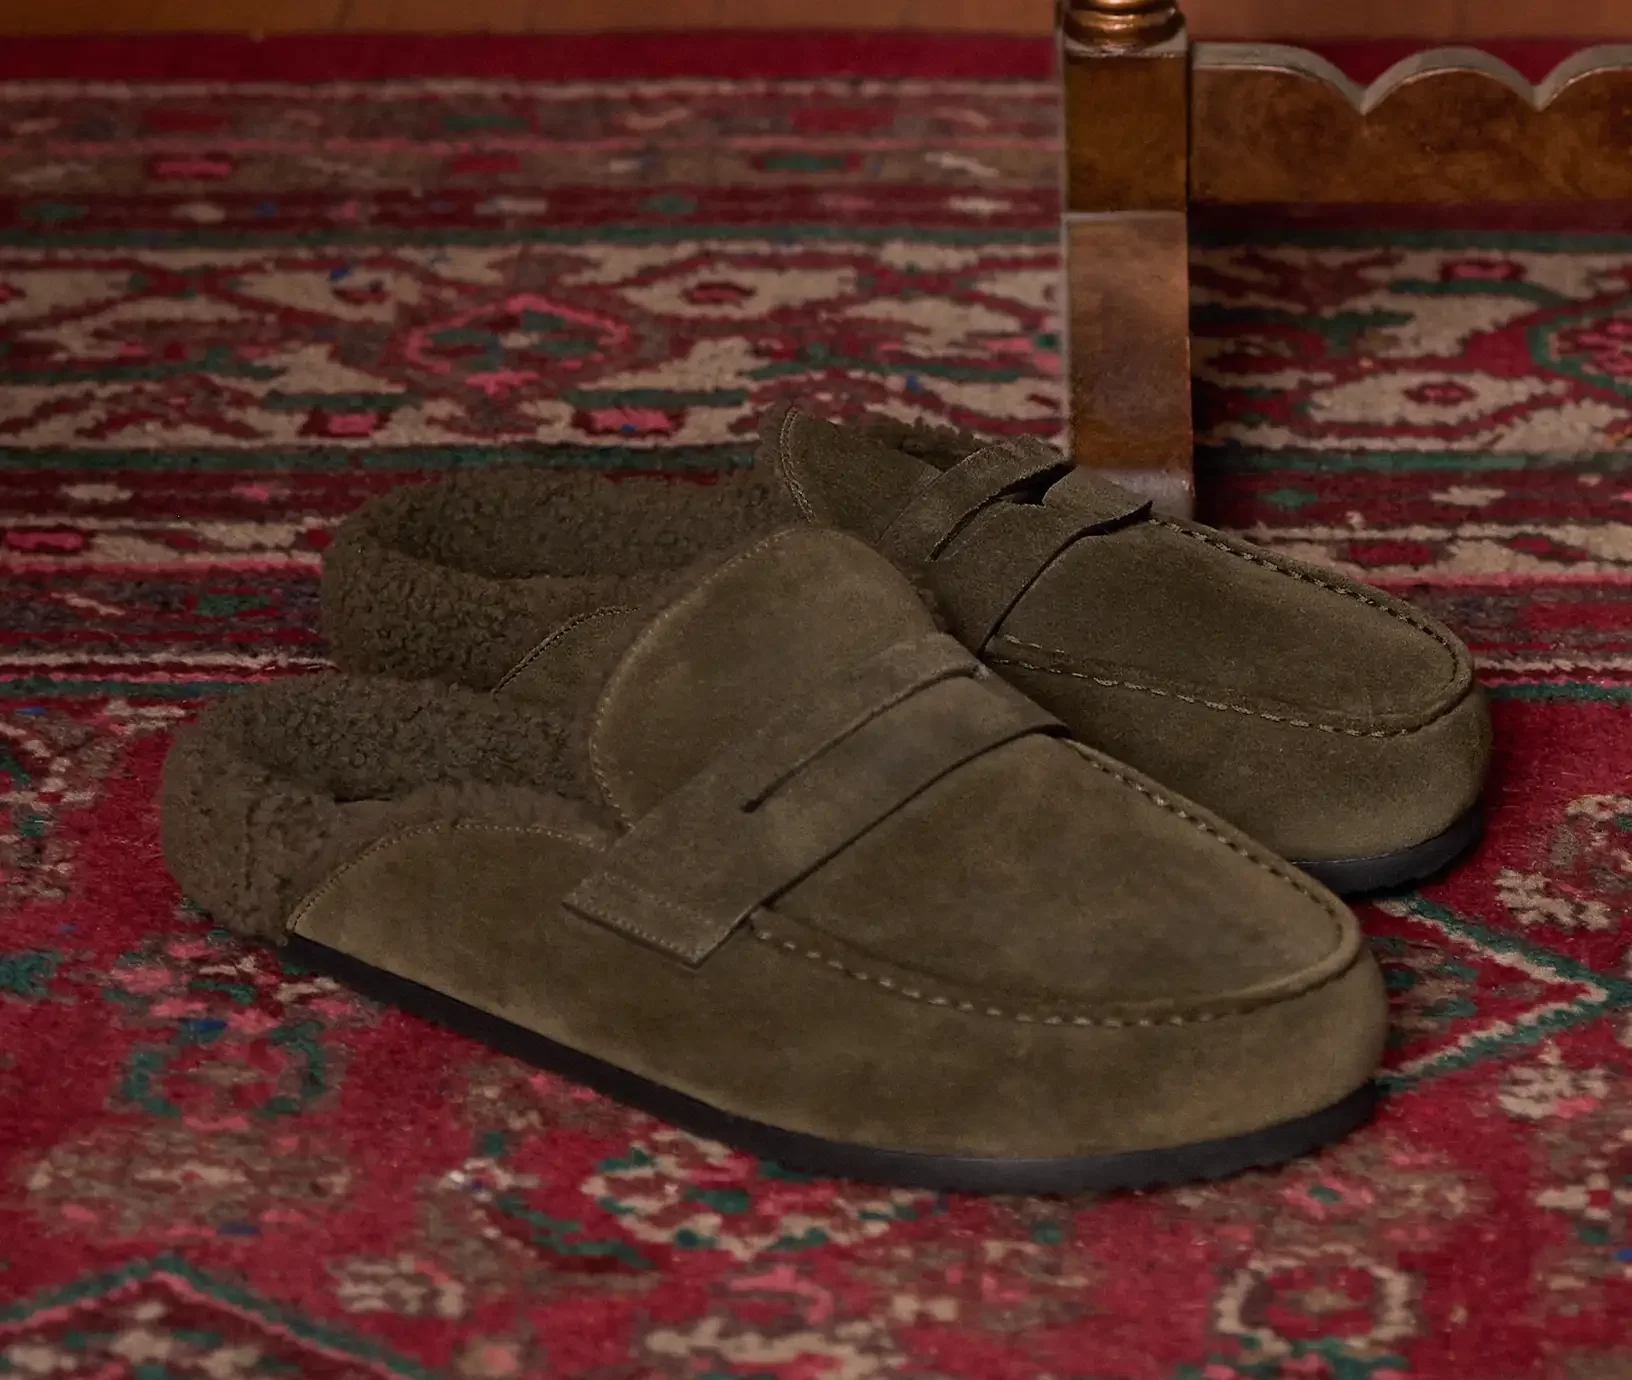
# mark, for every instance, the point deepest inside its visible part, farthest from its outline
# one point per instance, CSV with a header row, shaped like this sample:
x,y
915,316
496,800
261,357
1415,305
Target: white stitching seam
x,y
784,462
1275,871
1026,1017
969,1007
645,636
578,621
640,894
1405,617
1104,1022
888,984
1223,705
401,835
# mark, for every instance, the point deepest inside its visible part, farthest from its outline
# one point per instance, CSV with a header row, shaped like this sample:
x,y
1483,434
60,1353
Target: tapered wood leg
x,y
1125,68
1128,342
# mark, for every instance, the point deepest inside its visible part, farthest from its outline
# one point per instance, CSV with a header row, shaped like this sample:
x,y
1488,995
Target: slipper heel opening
x,y
457,580
271,788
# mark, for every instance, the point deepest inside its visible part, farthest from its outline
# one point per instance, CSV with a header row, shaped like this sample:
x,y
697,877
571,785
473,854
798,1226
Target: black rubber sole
x,y
1210,1159
1354,876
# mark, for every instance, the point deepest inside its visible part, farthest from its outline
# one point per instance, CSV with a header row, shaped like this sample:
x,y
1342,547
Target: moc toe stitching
x,y
1415,620
1446,703
1437,704
789,935
1321,975
1460,677
1266,861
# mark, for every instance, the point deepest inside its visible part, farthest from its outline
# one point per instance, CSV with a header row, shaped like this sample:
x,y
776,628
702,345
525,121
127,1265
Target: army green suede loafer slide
x,y
776,859
1341,727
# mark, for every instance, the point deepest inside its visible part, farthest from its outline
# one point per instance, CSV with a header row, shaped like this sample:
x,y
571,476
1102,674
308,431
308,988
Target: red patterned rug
x,y
230,307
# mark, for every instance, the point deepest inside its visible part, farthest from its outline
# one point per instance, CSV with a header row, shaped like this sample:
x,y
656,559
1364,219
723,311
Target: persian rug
x,y
244,286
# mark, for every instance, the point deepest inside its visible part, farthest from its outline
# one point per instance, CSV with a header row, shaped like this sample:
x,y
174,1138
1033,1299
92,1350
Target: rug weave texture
x,y
231,310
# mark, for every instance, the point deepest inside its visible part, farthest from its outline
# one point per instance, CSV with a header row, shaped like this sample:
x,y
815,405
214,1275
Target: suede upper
x,y
1325,718
775,840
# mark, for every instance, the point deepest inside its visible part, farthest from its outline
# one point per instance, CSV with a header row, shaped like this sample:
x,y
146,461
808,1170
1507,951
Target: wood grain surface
x,y
1440,20
1128,341
1454,127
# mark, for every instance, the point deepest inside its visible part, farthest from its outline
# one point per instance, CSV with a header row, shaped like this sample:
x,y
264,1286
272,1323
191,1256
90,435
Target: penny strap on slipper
x,y
776,805
940,507
980,580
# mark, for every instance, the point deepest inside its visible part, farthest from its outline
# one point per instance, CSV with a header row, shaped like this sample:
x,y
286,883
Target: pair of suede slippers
x,y
899,808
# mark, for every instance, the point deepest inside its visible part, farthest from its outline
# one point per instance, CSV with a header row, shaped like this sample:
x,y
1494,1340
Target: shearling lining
x,y
457,580
269,789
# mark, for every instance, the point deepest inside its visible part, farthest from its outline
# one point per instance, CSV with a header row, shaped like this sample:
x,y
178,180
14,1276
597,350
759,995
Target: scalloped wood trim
x,y
1279,57
1450,125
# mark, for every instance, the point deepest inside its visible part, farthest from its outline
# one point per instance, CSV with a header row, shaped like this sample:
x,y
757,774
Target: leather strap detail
x,y
554,668
979,580
939,508
774,807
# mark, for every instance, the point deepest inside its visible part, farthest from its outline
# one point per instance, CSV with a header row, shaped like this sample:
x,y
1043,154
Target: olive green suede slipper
x,y
773,857
1341,727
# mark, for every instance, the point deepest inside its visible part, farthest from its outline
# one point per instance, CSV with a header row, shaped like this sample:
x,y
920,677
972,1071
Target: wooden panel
x,y
431,16
1588,19
513,16
1432,20
1435,20
74,16
1448,127
1128,342
138,16
1125,129
284,17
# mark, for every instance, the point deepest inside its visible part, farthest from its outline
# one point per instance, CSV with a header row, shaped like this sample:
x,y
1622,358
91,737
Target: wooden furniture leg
x,y
1125,68
1155,126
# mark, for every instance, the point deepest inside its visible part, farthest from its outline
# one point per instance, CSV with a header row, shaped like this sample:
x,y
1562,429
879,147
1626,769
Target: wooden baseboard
x,y
1433,20
516,16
